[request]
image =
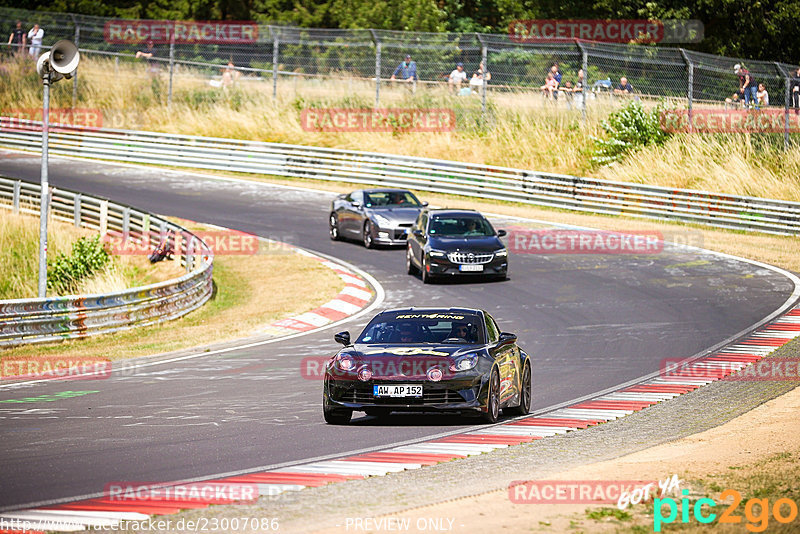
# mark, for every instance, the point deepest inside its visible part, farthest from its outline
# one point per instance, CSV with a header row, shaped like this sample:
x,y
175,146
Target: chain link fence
x,y
358,65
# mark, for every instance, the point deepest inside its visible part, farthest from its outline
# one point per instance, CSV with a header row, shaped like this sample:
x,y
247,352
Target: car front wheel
x,y
410,267
525,394
335,416
493,399
333,225
368,243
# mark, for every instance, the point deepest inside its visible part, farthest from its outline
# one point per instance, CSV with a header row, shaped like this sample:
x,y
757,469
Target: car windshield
x,y
463,226
404,328
391,199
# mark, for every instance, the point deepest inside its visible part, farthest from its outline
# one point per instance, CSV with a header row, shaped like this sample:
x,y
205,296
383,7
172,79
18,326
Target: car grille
x,y
469,257
429,397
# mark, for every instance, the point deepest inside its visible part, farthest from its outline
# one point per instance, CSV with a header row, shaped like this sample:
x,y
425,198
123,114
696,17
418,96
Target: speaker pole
x,y
45,192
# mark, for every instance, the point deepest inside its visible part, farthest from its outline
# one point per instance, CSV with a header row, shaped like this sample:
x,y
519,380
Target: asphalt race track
x,y
589,321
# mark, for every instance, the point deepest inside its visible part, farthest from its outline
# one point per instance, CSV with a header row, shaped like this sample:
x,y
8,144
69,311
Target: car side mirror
x,y
507,337
342,337
501,233
417,232
356,205
424,204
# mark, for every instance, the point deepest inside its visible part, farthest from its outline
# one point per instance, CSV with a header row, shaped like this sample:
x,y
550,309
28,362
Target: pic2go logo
x,y
756,511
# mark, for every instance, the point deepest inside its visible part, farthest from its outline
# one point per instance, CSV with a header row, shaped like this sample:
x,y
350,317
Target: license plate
x,y
397,390
471,268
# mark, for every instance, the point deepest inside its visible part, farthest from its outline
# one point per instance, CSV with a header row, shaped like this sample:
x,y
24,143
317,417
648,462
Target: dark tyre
x,y
335,416
410,267
426,276
368,235
525,394
333,227
377,412
493,399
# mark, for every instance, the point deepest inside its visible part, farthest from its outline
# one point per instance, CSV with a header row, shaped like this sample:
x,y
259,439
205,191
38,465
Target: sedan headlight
x,y
465,363
437,253
344,362
382,221
502,253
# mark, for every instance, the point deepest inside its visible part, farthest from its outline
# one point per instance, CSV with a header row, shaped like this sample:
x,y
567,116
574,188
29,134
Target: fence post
x,y
690,86
75,76
585,67
377,42
171,68
787,99
17,185
76,210
485,61
103,217
126,223
275,50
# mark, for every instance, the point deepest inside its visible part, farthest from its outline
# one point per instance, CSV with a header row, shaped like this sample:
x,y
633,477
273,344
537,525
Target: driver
x,y
397,198
407,333
472,227
460,330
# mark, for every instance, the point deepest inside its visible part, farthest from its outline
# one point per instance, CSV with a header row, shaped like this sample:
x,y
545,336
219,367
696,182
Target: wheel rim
x,y
367,235
526,387
334,226
494,405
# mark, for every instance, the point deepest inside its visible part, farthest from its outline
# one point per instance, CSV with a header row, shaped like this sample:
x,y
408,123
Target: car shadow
x,y
404,419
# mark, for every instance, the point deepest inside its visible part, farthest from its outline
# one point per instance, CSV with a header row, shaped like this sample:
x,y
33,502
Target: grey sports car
x,y
374,216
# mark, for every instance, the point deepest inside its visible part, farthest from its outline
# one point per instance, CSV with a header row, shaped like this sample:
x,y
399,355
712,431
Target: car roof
x,y
385,190
475,311
455,212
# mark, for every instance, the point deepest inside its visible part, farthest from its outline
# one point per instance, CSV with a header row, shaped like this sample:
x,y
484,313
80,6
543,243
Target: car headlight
x,y
465,363
382,221
437,253
344,362
502,253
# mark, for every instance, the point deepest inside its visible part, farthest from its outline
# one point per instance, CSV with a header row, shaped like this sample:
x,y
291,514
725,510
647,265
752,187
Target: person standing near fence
x,y
794,94
35,36
407,70
747,86
17,39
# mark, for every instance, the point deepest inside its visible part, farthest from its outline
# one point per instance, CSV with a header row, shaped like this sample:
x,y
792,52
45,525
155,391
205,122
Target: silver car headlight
x,y
465,363
437,253
382,221
502,253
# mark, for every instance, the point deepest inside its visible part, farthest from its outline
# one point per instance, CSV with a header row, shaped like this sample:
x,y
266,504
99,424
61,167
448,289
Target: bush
x,y
88,256
628,129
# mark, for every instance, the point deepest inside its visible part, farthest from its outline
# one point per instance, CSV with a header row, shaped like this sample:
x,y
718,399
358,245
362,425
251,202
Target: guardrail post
x,y
190,256
178,242
146,224
275,50
76,210
585,67
126,223
15,200
377,42
103,217
787,98
690,85
171,67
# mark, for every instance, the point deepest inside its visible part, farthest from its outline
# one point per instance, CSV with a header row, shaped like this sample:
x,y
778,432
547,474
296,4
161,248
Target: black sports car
x,y
374,216
446,242
428,359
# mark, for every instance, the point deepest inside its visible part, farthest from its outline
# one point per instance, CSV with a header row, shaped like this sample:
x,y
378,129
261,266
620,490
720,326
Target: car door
x,y
416,239
352,213
506,357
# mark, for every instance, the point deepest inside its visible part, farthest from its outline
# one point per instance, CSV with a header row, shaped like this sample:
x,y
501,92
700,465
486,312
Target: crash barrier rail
x,y
424,174
38,320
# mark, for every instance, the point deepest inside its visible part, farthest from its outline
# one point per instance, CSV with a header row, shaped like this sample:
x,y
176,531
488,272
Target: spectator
x,y
747,86
550,85
479,77
794,95
735,98
762,95
457,77
556,73
624,87
577,89
35,36
230,75
17,39
149,53
407,71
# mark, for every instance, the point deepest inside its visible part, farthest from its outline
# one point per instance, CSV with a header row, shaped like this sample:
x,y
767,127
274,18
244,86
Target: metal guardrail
x,y
440,176
24,321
